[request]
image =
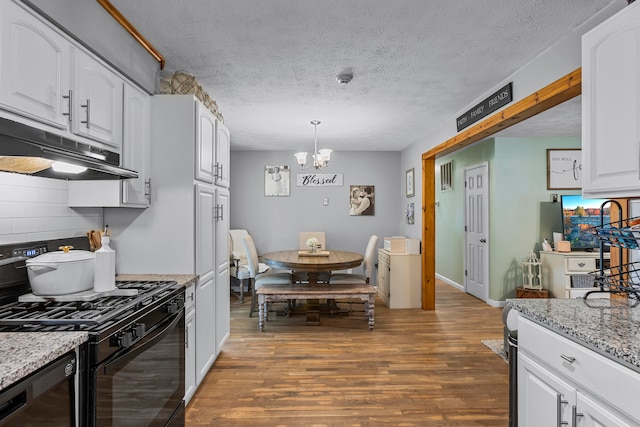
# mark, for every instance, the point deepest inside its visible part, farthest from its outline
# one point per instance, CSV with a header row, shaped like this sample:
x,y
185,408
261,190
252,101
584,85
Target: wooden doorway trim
x,y
549,96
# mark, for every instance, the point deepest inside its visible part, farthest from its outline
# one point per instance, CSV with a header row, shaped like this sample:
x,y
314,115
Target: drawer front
x,y
581,264
383,257
190,297
609,380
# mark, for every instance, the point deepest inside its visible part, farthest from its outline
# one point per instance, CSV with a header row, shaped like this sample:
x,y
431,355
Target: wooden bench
x,y
271,293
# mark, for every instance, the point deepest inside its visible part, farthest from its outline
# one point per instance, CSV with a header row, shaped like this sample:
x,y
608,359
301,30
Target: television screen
x,y
578,217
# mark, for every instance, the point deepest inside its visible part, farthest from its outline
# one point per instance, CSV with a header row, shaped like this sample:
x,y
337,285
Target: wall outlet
x,y
554,198
325,201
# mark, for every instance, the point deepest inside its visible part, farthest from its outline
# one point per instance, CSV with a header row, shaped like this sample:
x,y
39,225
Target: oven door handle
x,y
142,345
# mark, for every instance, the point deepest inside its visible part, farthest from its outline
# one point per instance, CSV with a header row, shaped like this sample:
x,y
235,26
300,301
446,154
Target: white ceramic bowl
x,y
61,273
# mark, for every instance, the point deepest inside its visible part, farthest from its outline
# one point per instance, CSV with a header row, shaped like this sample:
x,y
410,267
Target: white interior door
x,y
476,226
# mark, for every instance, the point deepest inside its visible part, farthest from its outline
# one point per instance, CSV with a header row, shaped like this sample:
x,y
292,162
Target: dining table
x,y
313,263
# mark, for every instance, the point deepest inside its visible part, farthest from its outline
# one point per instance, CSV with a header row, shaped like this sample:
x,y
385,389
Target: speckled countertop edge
x,y
22,353
609,326
181,279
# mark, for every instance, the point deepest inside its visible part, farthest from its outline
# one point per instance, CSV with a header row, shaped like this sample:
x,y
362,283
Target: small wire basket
x,y
621,279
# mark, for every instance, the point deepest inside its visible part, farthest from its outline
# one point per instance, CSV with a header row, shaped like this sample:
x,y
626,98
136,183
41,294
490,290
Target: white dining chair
x,y
355,278
239,269
260,279
367,267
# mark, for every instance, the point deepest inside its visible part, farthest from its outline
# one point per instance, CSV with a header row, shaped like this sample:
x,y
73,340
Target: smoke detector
x,y
344,78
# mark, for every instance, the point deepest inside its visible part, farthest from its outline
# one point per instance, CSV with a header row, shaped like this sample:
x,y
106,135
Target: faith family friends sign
x,y
497,100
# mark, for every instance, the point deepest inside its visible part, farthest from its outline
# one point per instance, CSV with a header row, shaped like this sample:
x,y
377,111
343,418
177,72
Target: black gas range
x,y
132,367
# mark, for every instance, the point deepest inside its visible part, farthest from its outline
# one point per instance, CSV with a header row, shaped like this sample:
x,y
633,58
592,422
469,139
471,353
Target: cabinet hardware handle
x,y
147,190
87,122
559,403
575,415
70,99
218,213
581,264
569,359
219,171
483,240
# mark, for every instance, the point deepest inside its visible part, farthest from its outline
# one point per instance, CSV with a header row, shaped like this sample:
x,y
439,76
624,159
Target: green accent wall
x,y
520,211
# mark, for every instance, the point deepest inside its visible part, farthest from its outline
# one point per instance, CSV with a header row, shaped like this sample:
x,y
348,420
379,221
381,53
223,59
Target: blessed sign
x,y
319,180
499,99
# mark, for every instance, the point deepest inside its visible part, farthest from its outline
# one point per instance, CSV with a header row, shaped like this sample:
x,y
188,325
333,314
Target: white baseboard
x,y
460,287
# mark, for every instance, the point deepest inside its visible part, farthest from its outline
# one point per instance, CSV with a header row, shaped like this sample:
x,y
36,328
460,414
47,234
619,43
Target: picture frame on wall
x,y
362,200
277,181
564,169
410,182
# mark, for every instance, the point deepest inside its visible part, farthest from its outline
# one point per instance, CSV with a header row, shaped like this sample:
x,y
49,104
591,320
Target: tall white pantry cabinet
x,y
185,229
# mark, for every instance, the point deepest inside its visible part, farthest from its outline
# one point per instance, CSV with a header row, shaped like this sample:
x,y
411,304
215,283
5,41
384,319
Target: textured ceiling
x,y
271,65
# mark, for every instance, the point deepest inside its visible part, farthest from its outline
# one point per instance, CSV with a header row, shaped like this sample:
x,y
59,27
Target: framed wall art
x,y
361,200
410,182
564,169
277,180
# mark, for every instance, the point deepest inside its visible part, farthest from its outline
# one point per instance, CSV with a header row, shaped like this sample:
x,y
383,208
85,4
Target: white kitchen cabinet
x,y
190,383
178,232
610,107
205,328
134,192
205,144
543,397
223,150
223,308
97,105
565,273
51,82
399,279
561,382
35,67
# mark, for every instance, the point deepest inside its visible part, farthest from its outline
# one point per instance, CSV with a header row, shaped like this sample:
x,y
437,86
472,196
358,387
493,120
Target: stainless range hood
x,y
25,149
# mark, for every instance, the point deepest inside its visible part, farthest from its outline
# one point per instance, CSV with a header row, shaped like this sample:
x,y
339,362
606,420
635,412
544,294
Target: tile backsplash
x,y
34,208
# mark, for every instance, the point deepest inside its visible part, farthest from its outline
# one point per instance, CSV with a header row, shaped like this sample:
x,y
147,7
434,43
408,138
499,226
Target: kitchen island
x,y
578,360
610,327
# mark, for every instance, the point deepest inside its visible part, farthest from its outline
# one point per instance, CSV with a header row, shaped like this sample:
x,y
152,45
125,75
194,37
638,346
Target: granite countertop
x,y
22,353
182,279
611,327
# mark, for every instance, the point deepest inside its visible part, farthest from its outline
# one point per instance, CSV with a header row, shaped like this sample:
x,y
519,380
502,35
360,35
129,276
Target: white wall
x,y
33,208
275,222
558,61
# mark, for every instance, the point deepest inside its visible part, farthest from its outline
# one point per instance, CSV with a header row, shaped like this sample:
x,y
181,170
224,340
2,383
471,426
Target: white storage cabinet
x,y
49,81
565,273
399,279
190,383
130,193
561,382
611,106
183,229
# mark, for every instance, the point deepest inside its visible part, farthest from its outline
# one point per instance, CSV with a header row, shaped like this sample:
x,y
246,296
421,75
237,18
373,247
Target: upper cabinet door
x,y
223,148
205,143
611,106
135,146
35,67
97,101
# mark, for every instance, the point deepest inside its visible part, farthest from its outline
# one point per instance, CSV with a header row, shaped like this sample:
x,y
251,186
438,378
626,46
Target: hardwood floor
x,y
416,368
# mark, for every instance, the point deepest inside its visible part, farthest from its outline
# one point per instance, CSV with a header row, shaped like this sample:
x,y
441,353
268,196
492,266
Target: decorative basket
x,y
583,281
185,83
